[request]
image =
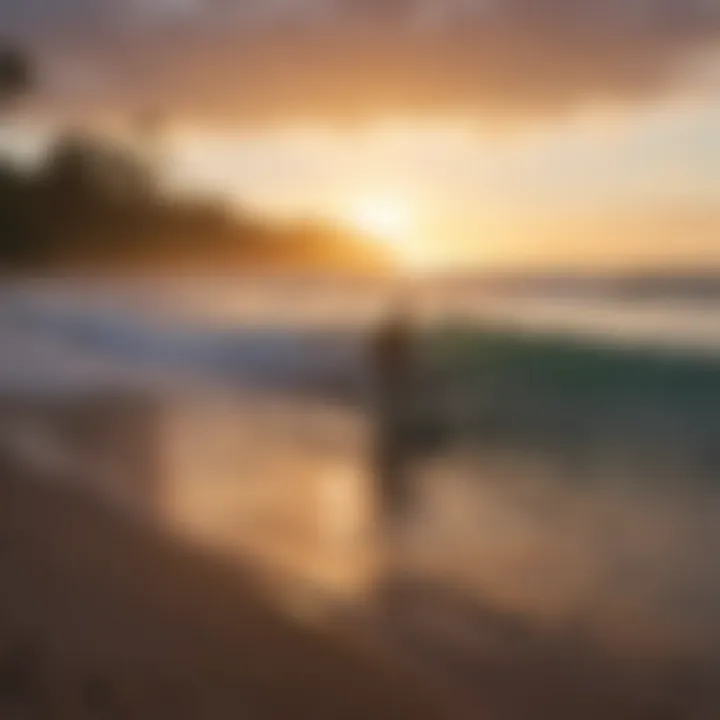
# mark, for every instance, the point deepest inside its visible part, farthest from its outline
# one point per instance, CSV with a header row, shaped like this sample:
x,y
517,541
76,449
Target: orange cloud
x,y
339,60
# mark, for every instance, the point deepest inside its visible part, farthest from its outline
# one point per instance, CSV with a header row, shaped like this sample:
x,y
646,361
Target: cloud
x,y
337,60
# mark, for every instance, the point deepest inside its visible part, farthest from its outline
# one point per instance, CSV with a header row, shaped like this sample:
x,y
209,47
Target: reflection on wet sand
x,y
279,483
500,566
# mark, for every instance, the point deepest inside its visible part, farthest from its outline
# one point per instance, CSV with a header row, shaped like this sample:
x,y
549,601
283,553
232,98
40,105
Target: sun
x,y
386,221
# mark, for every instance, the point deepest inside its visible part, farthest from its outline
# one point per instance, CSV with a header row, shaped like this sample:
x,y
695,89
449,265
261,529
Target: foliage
x,y
94,202
16,74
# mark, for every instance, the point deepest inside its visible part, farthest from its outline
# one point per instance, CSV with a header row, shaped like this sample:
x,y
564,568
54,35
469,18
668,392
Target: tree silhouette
x,y
95,200
16,74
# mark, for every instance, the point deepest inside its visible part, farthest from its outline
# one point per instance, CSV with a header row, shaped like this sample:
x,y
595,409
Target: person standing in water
x,y
392,361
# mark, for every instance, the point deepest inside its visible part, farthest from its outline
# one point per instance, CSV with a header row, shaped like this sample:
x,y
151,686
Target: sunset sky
x,y
497,132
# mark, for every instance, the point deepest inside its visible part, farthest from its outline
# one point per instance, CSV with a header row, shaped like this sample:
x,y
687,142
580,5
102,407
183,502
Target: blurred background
x,y
359,359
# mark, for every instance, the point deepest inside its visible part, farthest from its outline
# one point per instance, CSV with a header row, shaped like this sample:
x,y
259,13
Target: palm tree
x,y
16,75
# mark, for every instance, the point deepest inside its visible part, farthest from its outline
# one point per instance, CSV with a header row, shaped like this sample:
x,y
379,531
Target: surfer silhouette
x,y
391,356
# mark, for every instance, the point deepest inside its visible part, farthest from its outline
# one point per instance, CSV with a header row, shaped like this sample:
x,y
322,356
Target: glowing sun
x,y
383,219
390,222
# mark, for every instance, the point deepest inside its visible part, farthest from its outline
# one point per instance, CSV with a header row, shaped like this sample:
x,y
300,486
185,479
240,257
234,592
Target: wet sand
x,y
102,618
